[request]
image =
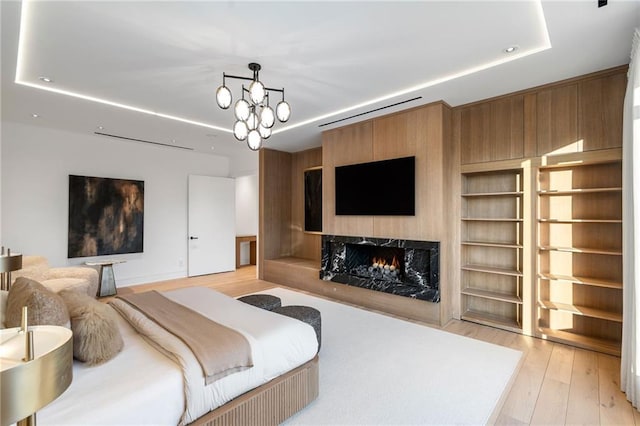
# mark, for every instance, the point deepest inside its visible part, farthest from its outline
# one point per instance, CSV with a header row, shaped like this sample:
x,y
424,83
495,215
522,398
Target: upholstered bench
x,y
264,301
304,313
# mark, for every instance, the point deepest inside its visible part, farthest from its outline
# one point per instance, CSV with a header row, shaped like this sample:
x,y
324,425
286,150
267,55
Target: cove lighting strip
x,y
24,24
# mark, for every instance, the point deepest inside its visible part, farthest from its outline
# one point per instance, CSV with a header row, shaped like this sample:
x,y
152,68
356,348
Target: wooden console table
x,y
251,239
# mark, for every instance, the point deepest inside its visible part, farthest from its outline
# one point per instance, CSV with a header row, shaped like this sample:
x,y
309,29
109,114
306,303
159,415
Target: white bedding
x,y
142,386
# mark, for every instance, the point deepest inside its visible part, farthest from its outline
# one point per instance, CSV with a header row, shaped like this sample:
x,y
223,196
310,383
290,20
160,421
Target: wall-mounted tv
x,y
379,188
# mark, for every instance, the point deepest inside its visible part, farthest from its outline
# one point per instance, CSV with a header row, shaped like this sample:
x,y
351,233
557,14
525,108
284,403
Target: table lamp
x,y
36,366
9,262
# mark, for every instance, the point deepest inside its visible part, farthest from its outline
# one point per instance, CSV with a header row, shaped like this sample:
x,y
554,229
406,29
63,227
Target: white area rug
x,y
376,369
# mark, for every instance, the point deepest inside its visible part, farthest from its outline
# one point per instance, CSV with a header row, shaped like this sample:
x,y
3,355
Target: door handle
x,y
193,238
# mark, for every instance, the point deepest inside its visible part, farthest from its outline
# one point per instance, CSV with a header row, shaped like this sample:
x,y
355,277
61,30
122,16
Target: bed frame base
x,y
271,403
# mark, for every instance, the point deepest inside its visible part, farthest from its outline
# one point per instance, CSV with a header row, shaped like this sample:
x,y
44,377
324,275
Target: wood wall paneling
x,y
415,133
345,145
303,244
450,262
493,130
275,204
557,118
600,111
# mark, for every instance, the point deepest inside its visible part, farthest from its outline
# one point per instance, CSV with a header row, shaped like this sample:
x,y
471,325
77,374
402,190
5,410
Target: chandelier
x,y
254,116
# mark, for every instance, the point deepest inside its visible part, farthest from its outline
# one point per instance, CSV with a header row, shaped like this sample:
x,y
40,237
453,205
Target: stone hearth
x,y
401,267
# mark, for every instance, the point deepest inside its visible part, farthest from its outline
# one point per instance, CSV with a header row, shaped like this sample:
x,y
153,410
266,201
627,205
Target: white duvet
x,y
143,386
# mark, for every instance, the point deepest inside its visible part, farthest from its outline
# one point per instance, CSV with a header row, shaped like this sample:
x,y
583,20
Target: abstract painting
x,y
106,216
313,199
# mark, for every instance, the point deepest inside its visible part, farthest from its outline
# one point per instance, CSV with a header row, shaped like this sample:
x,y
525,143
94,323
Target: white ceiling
x,y
334,59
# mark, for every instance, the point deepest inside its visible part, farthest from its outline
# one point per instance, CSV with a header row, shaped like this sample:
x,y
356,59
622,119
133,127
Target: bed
x,y
141,385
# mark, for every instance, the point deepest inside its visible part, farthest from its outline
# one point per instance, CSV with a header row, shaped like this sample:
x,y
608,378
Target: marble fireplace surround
x,y
419,270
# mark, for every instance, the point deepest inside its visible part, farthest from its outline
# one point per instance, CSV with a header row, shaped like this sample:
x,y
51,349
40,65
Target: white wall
x,y
247,205
35,166
247,211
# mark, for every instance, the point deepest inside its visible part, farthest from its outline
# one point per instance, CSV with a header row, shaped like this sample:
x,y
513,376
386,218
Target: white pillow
x,y
3,306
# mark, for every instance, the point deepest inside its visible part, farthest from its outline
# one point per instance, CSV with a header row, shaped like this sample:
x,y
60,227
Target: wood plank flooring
x,y
556,384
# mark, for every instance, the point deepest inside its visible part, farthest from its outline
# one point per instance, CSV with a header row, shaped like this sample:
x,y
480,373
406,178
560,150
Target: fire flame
x,y
381,261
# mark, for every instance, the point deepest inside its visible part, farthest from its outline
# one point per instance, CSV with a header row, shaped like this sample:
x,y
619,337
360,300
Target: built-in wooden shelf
x,y
492,320
595,282
489,244
579,191
611,347
494,194
492,234
581,310
587,250
493,295
580,220
492,270
491,219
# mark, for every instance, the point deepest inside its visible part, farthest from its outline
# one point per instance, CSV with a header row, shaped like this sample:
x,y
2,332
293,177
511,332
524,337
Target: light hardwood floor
x,y
556,384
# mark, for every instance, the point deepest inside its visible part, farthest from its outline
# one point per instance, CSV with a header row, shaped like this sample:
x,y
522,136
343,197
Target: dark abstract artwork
x,y
313,200
106,216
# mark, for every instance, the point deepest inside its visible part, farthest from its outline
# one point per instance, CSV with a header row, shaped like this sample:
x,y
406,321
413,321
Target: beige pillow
x,y
44,306
96,336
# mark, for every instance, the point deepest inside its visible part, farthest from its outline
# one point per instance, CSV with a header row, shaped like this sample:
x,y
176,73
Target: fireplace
x,y
401,267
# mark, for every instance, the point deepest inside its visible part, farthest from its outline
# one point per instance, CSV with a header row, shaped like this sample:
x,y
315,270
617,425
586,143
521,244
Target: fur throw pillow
x,y
96,336
44,306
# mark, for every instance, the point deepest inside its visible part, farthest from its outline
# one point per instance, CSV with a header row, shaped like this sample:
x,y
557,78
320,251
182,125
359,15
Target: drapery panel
x,y
630,363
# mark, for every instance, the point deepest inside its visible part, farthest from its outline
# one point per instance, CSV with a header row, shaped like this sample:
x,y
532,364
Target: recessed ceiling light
x,y
100,127
46,79
35,115
173,141
510,49
213,147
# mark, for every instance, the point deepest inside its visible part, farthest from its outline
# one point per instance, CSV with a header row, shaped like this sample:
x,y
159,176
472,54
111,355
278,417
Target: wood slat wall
x,y
274,230
303,244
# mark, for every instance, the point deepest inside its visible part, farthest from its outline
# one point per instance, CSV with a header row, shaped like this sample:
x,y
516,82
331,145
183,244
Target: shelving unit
x,y
492,248
579,260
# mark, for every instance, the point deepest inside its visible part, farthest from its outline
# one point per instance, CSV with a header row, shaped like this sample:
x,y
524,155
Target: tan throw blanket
x,y
220,350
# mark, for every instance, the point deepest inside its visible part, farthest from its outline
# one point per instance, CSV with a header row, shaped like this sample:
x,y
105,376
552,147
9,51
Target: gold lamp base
x,y
27,386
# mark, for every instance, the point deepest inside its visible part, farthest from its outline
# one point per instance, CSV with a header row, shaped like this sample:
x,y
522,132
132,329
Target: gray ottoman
x,y
304,313
264,301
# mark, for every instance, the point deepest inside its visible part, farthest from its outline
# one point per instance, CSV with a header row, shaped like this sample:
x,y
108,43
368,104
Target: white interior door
x,y
212,225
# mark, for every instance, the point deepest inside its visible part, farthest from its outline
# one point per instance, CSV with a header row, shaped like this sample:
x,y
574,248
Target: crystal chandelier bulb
x,y
242,109
265,132
283,111
240,130
267,117
256,92
252,121
223,97
254,141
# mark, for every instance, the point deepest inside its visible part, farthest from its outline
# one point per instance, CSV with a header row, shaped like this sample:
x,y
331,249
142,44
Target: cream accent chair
x,y
37,268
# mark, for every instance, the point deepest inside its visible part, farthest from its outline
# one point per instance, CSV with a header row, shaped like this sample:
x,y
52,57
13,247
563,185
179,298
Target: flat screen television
x,y
379,188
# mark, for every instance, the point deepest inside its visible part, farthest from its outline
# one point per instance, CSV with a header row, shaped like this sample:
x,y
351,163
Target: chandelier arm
x,y
236,77
274,90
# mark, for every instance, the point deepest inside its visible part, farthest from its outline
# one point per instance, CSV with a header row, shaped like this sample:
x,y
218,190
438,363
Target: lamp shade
x,y
223,97
10,262
283,111
240,130
242,109
267,117
256,92
265,132
252,121
27,386
254,141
